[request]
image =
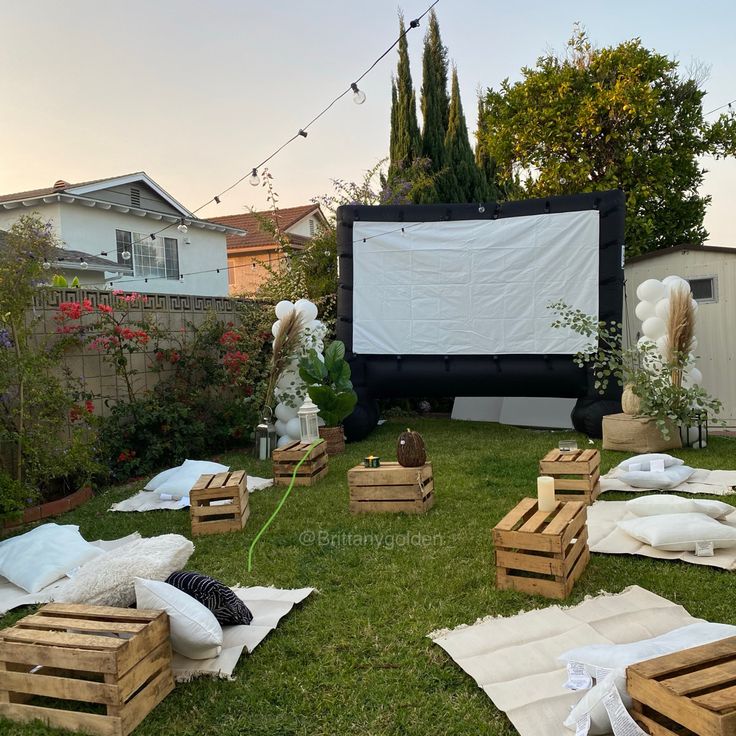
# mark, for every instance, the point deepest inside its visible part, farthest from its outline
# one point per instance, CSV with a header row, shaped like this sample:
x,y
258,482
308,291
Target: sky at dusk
x,y
196,93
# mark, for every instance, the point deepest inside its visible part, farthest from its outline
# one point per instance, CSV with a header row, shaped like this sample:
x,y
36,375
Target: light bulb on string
x,y
125,255
481,208
254,180
183,229
83,264
45,265
358,94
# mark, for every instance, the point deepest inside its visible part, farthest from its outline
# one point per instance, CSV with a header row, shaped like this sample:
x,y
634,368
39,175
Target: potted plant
x,y
656,382
329,386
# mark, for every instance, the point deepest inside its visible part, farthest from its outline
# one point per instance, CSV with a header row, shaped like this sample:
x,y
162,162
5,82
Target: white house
x,y
137,236
711,272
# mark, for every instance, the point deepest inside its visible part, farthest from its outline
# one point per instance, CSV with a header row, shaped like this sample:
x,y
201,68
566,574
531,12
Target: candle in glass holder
x,y
546,493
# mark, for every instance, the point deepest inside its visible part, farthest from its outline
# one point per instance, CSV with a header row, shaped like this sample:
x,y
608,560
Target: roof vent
x,y
61,184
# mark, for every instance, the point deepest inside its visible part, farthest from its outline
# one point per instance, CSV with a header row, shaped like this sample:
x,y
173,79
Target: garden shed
x,y
711,272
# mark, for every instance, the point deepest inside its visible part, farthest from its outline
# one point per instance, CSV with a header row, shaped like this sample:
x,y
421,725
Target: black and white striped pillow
x,y
214,595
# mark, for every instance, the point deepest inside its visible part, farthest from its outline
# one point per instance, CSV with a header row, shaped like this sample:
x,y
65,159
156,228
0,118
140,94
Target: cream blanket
x,y
268,606
151,501
605,537
514,659
713,482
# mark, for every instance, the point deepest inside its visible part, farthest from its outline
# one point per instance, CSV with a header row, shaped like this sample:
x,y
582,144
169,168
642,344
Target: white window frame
x,y
140,239
714,281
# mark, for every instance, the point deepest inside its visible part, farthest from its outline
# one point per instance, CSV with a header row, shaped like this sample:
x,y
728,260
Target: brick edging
x,y
52,508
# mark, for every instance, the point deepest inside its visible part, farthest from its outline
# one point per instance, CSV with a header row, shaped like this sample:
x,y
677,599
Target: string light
x,y
481,208
302,133
254,180
182,228
125,255
45,265
358,94
216,199
83,264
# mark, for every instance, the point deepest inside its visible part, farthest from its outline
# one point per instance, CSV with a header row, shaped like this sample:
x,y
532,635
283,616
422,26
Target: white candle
x,y
546,493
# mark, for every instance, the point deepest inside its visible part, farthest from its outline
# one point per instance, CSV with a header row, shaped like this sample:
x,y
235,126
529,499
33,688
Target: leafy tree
x,y
599,119
405,139
435,102
462,181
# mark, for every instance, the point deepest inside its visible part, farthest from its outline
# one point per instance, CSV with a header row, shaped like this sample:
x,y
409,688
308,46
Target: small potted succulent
x,y
329,386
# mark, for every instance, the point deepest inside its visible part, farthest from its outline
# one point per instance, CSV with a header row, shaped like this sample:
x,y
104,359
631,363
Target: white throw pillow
x,y
108,579
180,483
157,480
591,704
643,461
679,532
44,555
666,503
195,632
667,478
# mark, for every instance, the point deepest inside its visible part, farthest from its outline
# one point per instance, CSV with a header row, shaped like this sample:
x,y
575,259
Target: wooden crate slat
x,y
146,700
720,700
58,638
587,455
565,514
719,674
201,483
153,663
389,473
217,510
583,462
236,478
584,483
537,521
64,688
407,507
295,451
78,610
56,623
392,493
311,470
552,455
650,726
700,655
134,649
516,515
100,725
71,659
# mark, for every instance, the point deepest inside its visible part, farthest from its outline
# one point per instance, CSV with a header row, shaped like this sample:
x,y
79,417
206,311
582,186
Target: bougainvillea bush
x,y
46,437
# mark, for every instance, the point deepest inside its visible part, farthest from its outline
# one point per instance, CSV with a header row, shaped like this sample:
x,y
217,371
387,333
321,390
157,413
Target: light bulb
x,y
83,264
358,94
183,229
481,208
254,180
125,255
46,265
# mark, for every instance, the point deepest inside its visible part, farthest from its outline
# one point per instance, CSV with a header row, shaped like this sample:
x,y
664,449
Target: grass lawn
x,y
354,657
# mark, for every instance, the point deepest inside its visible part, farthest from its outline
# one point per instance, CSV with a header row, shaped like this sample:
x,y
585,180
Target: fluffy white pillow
x,y
668,478
591,704
108,579
666,503
679,532
44,555
195,632
643,461
157,480
180,483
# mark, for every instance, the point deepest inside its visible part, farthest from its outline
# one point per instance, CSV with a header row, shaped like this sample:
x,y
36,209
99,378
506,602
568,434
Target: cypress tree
x,y
434,101
462,181
487,167
405,139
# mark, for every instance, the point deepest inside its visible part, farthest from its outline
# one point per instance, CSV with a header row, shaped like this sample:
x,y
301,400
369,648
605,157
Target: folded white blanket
x,y
712,482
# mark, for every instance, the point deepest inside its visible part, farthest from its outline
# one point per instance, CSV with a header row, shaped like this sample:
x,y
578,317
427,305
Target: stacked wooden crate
x,y
576,474
219,503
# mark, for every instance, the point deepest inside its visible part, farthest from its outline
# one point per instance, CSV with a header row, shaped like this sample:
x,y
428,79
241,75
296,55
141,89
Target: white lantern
x,y
308,420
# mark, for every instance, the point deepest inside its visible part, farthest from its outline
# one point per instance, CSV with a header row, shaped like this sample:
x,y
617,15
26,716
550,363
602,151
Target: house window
x,y
311,227
135,197
704,289
152,258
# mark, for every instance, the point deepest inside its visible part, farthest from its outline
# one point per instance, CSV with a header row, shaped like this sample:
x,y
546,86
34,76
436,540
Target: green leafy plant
x,y
328,383
640,366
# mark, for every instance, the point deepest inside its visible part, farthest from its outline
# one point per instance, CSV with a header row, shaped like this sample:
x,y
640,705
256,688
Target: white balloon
x,y
662,309
280,427
276,327
283,309
675,283
662,344
696,306
643,340
307,309
696,377
693,344
284,412
644,310
282,441
287,379
293,428
650,290
654,327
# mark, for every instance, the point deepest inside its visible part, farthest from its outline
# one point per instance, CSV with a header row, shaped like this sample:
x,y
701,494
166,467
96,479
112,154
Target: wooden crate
x,y
688,693
116,659
286,458
576,474
391,487
539,551
219,503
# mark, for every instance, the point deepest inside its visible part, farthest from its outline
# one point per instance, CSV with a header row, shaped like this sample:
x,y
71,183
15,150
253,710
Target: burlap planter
x,y
335,439
637,434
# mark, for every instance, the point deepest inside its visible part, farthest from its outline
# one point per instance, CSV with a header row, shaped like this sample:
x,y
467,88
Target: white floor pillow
x,y
195,632
44,555
108,580
680,532
666,503
179,484
667,478
643,462
163,476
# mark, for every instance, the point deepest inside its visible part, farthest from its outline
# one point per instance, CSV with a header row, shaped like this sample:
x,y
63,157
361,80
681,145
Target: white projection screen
x,y
473,287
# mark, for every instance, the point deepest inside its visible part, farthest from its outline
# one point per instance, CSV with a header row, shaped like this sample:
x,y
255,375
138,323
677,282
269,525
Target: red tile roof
x,y
285,218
